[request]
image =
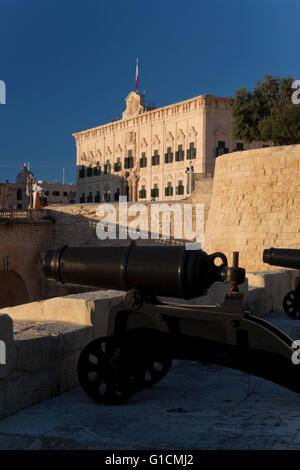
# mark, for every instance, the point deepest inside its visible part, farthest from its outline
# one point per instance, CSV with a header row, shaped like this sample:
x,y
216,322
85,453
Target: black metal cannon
x,y
286,258
145,333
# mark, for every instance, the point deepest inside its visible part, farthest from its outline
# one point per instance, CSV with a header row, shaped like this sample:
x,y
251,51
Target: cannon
x,y
286,258
147,330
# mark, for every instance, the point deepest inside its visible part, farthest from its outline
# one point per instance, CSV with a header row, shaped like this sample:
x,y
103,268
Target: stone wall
x,y
21,245
202,193
255,204
43,341
76,224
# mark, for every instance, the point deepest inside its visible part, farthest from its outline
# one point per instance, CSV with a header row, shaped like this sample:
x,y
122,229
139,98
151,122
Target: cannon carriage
x,y
145,332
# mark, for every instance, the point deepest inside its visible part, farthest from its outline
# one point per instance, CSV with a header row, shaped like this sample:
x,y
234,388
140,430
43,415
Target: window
x,y
143,160
180,188
142,192
19,195
155,158
179,155
128,162
191,151
168,156
46,193
55,193
107,167
81,172
97,170
155,191
97,197
117,195
65,194
82,199
239,147
117,166
169,189
89,171
90,197
221,149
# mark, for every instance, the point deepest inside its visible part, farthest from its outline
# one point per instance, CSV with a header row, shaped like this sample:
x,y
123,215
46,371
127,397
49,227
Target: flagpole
x,y
137,75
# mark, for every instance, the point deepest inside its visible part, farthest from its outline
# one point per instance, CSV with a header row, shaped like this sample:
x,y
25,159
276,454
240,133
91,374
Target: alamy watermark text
x,y
2,92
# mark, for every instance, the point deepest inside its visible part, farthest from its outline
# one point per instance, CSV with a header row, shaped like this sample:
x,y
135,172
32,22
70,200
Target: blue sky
x,y
69,64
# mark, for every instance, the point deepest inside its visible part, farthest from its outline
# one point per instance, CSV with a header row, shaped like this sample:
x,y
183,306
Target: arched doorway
x,y
13,290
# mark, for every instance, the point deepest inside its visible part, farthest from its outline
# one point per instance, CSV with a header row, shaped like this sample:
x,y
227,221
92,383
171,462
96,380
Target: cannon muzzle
x,y
283,257
153,270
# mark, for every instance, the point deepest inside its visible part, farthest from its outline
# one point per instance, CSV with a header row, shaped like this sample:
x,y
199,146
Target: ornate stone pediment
x,y
192,132
108,151
144,143
180,135
134,105
130,137
156,140
170,138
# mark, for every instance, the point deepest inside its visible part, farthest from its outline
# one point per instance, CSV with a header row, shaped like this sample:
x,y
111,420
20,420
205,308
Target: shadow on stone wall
x,y
13,289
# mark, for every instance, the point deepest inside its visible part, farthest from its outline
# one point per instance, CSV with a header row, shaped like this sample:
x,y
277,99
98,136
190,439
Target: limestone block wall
x,y
202,193
255,204
75,224
21,245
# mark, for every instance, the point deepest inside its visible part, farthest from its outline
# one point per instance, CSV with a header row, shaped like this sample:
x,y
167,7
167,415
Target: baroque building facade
x,y
13,195
17,195
154,153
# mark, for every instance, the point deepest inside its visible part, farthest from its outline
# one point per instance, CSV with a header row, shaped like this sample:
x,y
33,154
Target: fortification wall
x,y
75,224
20,268
255,204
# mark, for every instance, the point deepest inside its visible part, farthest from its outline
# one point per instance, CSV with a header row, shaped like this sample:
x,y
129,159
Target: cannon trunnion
x,y
145,333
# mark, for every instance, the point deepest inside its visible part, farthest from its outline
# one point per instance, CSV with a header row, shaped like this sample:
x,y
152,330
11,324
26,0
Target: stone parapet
x,y
43,341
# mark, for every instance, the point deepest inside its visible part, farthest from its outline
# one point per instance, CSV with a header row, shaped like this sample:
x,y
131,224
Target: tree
x,y
268,113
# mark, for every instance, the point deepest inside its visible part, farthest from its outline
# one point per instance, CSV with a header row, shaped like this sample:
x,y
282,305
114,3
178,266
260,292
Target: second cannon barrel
x,y
283,257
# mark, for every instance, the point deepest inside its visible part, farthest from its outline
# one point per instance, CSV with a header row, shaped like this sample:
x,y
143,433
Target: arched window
x,y
19,195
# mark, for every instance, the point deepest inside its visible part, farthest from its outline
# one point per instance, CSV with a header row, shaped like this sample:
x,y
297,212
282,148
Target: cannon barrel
x,y
153,270
284,257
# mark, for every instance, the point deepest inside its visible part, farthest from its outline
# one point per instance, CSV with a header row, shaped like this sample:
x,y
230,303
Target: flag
x,y
136,75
